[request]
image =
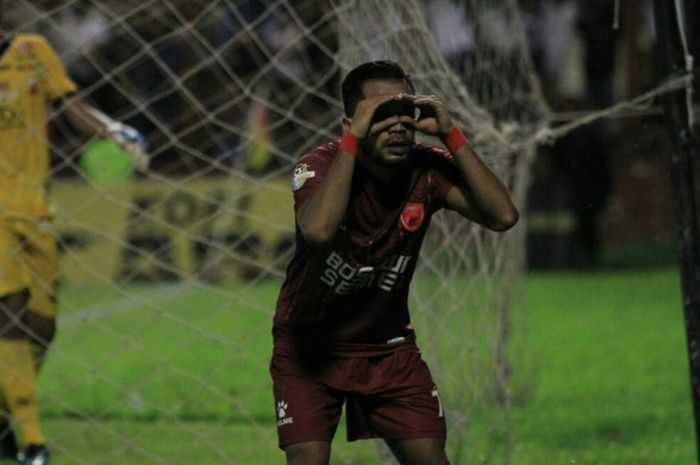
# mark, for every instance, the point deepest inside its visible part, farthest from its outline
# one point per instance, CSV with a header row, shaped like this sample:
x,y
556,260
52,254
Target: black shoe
x,y
8,445
34,454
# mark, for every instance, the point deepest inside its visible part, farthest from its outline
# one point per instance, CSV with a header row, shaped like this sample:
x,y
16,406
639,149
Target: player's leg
x,y
17,371
29,326
426,451
307,409
8,442
41,265
308,453
401,404
42,330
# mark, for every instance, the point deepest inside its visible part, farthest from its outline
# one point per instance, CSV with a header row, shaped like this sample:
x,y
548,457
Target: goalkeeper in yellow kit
x,y
31,77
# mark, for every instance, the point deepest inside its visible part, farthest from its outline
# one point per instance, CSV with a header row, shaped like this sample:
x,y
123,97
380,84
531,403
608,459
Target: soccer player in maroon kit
x,y
342,331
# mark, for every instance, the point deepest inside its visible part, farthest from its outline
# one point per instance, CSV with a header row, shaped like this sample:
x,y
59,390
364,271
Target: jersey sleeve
x,y
444,175
308,174
54,80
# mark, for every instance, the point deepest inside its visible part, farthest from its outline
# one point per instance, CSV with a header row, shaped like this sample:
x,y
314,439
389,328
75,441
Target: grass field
x,y
612,383
132,382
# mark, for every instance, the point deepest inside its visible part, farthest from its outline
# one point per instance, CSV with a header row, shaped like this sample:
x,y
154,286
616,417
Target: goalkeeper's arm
x,y
91,121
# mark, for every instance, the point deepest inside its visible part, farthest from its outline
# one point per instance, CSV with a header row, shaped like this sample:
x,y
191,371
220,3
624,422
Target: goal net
x,y
169,278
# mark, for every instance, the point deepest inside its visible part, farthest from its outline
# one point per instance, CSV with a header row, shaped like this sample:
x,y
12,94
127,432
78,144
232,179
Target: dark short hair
x,y
384,70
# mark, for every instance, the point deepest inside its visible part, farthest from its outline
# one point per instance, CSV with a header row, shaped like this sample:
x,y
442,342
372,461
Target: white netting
x,y
170,279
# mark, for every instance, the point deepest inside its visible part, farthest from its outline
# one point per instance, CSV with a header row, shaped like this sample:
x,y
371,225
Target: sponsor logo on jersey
x,y
33,85
343,277
301,175
282,418
412,216
6,92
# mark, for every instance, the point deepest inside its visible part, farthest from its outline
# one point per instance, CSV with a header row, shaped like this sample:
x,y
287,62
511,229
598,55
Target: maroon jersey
x,y
352,294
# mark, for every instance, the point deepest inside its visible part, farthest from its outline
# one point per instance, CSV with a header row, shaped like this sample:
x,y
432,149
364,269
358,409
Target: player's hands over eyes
x,y
361,124
439,123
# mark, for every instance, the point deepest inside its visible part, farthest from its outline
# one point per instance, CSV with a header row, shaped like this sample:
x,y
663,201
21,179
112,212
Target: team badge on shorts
x,y
412,216
282,418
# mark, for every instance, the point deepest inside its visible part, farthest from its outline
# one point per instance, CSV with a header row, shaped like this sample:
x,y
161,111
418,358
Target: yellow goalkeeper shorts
x,y
29,260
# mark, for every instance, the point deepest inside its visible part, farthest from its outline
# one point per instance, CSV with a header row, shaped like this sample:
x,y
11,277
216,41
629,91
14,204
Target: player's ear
x,y
346,123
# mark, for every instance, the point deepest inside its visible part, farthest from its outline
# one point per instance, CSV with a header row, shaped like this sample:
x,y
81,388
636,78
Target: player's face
x,y
392,145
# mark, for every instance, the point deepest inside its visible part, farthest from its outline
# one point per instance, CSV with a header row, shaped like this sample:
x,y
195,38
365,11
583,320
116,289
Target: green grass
x,y
612,383
602,375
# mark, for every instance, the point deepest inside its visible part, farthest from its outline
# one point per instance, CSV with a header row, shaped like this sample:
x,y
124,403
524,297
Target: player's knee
x,y
440,458
308,453
442,461
419,452
13,310
437,459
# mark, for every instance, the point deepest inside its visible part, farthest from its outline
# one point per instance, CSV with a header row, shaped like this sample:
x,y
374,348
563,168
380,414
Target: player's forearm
x,y
87,119
488,194
92,122
323,212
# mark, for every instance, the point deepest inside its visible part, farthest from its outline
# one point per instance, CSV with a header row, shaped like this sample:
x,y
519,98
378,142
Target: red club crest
x,y
412,216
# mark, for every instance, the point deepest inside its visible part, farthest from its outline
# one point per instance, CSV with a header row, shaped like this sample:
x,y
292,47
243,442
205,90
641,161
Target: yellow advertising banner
x,y
213,229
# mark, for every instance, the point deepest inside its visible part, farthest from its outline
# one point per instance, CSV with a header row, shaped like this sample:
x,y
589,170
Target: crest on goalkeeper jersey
x,y
412,216
301,175
25,47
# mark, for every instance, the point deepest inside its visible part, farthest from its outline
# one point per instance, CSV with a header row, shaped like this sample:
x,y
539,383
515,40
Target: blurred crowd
x,y
197,78
215,85
589,55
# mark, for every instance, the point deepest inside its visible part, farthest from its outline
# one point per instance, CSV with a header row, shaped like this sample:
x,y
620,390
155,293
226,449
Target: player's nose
x,y
401,125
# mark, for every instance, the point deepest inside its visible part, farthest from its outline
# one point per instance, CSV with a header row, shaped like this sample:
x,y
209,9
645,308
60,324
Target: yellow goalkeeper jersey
x,y
31,76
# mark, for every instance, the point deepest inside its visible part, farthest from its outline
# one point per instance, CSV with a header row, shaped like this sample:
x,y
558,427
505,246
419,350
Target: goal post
x,y
675,57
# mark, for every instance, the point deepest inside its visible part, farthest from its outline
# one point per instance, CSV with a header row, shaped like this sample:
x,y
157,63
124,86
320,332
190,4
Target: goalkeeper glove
x,y
130,141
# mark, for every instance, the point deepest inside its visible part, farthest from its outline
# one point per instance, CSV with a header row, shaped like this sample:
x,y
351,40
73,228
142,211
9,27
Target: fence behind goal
x,y
169,278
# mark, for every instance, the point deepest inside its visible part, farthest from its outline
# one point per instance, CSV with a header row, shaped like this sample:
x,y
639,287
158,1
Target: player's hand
x,y
361,124
130,141
438,122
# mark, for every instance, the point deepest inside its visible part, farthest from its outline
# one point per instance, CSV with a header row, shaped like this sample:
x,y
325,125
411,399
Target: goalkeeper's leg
x,y
42,267
8,443
29,283
41,331
17,371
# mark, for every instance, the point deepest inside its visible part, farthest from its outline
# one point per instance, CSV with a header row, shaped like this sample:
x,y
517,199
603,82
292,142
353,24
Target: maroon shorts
x,y
391,396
